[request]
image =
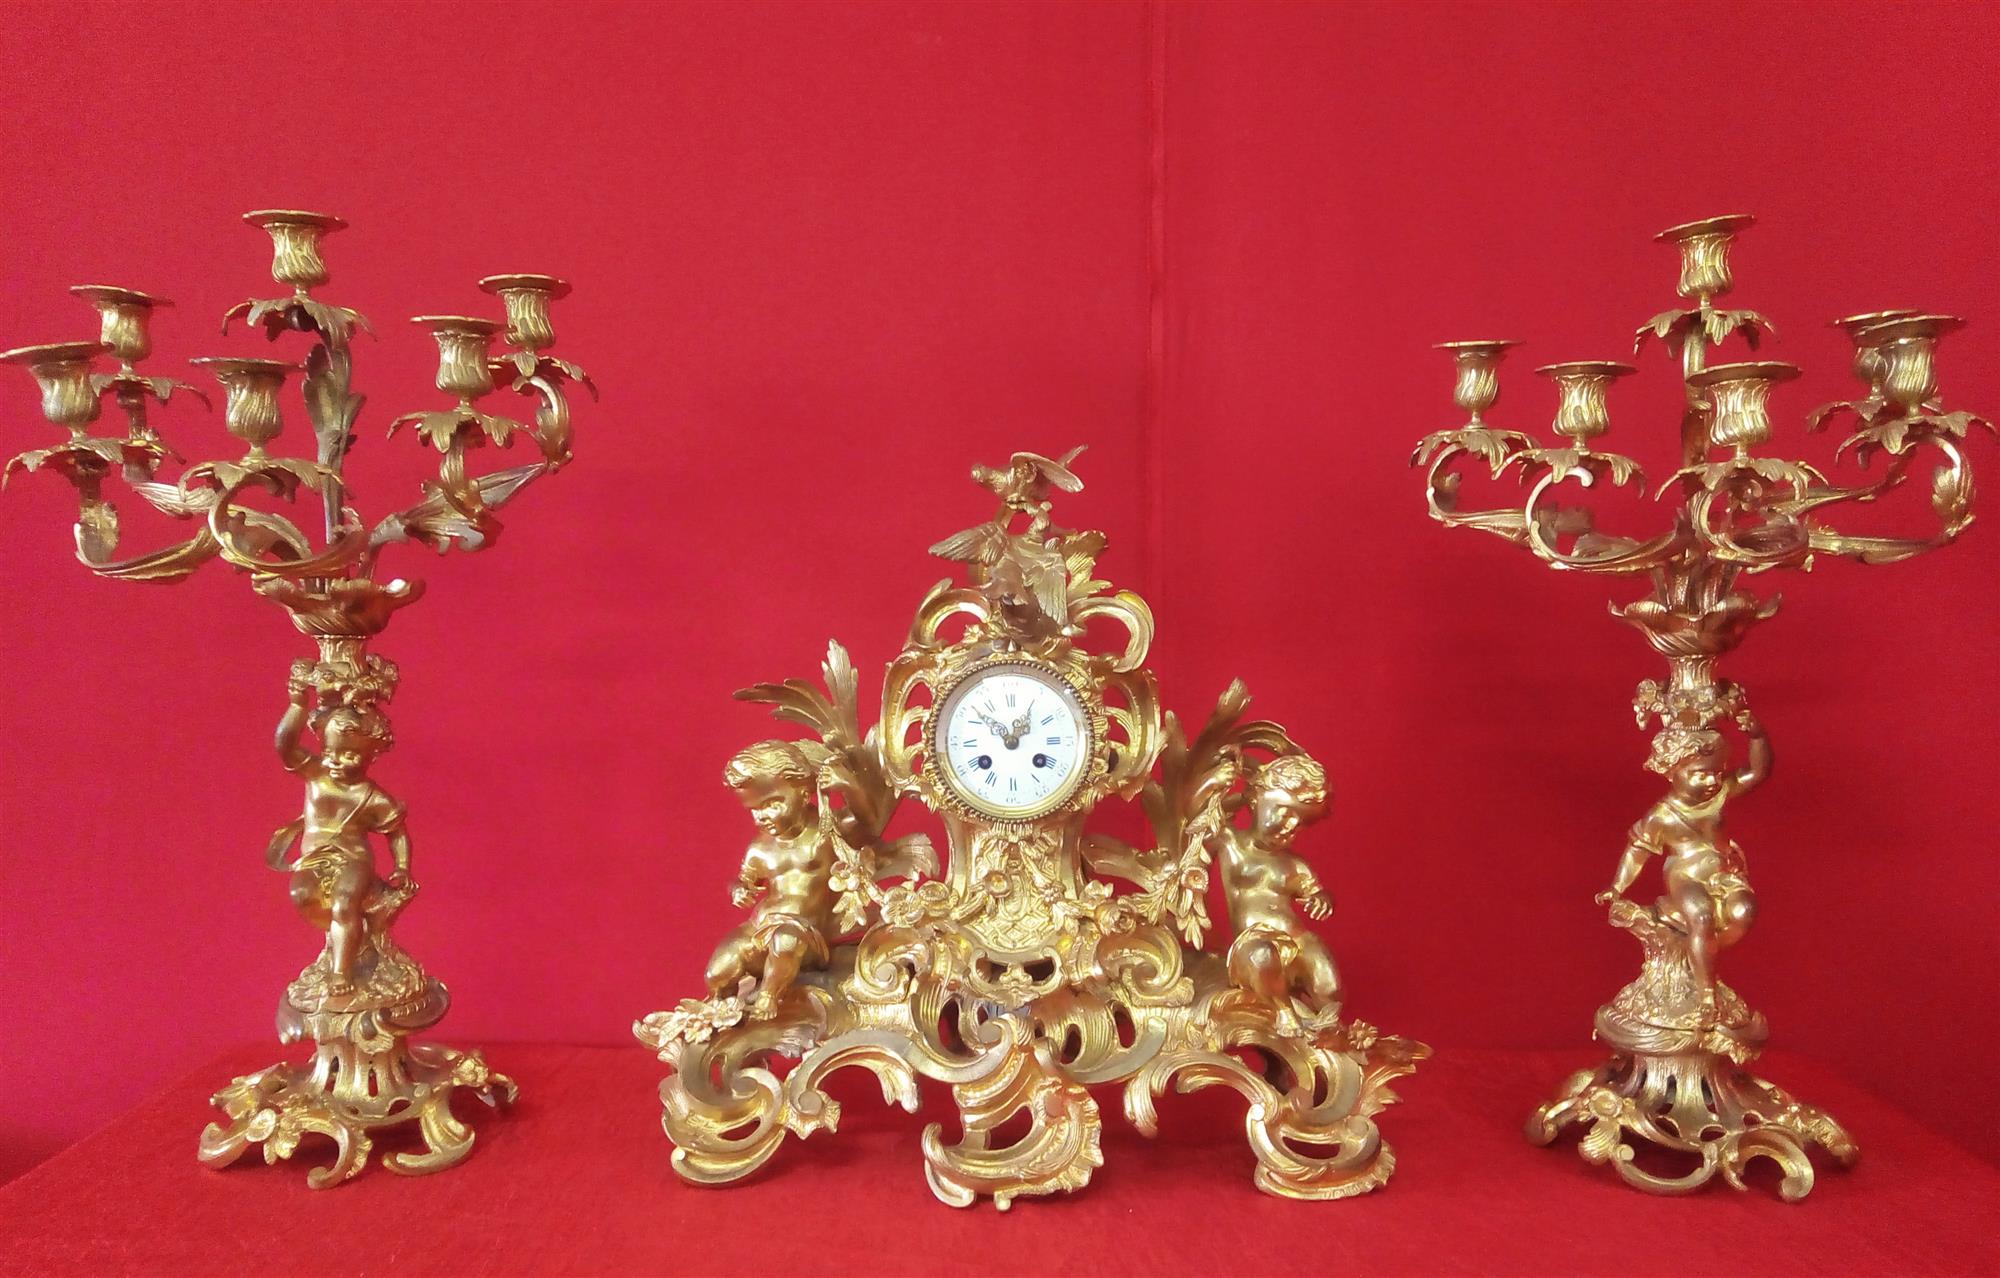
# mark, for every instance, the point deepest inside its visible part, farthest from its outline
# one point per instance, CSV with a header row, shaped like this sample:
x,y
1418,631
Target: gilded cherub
x,y
1706,894
334,880
1204,784
790,864
1274,956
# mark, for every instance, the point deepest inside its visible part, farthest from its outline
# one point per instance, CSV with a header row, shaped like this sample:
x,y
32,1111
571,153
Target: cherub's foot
x,y
338,986
764,1006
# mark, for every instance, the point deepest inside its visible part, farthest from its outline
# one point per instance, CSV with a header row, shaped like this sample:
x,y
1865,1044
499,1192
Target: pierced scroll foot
x,y
725,1108
1698,1104
349,1090
1313,1092
1058,1152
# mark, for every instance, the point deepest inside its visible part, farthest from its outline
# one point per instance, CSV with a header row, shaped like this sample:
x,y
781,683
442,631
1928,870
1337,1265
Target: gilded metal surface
x,y
1008,968
1681,1038
364,995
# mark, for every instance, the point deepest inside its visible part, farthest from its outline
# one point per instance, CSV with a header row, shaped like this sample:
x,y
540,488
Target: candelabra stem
x,y
1690,673
1680,1038
363,996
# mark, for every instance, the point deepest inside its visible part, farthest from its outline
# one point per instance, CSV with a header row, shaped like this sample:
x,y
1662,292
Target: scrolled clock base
x,y
364,1076
1700,1104
1312,1091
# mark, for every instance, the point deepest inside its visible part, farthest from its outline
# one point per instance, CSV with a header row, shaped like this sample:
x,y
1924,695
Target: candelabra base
x,y
1313,1084
364,1076
1700,1104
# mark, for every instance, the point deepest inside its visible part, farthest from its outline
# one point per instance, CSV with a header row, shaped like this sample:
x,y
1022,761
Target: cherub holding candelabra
x,y
363,995
1680,1037
1005,964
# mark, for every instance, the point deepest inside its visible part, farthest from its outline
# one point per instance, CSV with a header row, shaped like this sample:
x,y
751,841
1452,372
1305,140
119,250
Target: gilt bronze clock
x,y
1009,967
1012,741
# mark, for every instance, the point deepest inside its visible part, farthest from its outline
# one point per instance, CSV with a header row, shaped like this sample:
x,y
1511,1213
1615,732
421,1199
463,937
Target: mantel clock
x,y
1008,967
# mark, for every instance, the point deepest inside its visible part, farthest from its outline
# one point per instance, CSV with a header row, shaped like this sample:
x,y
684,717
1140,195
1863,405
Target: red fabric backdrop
x,y
826,257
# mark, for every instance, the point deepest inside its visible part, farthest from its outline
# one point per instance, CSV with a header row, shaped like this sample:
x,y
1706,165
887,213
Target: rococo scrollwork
x,y
1010,967
1681,1039
360,999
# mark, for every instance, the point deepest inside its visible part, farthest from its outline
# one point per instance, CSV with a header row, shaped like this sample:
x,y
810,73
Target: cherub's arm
x,y
1757,760
391,827
756,871
1304,887
292,726
1640,844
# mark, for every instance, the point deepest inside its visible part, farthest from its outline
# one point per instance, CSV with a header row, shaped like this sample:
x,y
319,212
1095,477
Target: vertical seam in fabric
x,y
1152,389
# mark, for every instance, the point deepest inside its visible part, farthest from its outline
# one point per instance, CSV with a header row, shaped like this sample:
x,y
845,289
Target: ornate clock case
x,y
1008,967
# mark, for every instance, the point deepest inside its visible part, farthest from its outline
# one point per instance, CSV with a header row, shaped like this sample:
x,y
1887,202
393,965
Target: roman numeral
x,y
1013,784
991,777
1010,698
1048,719
1055,740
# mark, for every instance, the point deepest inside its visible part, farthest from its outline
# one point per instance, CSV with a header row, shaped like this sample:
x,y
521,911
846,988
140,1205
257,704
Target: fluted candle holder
x,y
1681,1039
362,997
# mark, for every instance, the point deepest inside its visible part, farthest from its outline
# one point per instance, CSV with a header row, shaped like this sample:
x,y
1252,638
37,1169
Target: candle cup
x,y
1478,385
527,298
62,369
295,237
1906,346
463,341
1868,362
125,319
250,387
1583,413
1704,249
1737,395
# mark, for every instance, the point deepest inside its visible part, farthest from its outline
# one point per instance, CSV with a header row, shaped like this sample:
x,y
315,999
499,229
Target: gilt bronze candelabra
x,y
1013,971
1680,1038
364,995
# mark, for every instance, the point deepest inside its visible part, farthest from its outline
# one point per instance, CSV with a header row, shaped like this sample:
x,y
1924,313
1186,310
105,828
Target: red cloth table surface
x,y
575,1180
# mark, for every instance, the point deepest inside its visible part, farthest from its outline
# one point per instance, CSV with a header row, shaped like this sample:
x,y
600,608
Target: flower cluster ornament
x,y
363,996
1680,1038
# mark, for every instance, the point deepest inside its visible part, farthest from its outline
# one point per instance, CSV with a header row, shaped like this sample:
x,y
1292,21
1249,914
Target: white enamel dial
x,y
1012,741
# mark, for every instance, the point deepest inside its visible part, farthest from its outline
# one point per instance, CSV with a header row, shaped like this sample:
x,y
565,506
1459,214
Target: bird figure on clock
x,y
1031,569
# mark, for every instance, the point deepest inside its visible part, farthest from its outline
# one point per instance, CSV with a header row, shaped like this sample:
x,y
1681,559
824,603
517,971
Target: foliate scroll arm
x,y
1591,551
1443,450
1951,489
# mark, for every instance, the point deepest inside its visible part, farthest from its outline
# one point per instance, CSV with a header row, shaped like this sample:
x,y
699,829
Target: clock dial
x,y
1012,741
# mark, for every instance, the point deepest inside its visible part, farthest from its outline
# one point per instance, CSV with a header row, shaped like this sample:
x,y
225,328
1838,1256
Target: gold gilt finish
x,y
1681,1040
1009,968
364,995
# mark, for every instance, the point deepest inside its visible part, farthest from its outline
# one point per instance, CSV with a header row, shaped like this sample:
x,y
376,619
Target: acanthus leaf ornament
x,y
361,999
1007,965
1681,1039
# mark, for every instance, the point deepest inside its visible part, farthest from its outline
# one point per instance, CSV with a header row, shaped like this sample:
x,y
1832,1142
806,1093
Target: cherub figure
x,y
1706,895
334,881
791,864
1273,955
